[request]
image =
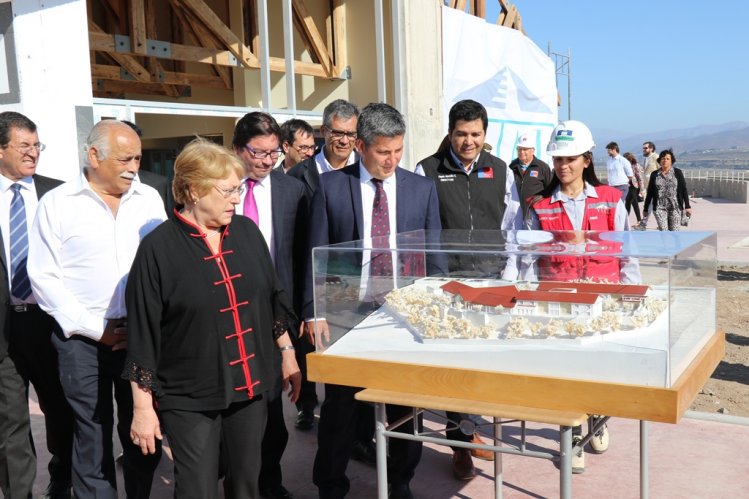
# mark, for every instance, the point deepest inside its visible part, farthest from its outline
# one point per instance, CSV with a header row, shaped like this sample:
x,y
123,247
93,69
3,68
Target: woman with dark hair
x,y
574,201
667,191
635,184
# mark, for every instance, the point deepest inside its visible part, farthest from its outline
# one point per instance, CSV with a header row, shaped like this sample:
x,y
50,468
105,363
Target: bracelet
x,y
287,347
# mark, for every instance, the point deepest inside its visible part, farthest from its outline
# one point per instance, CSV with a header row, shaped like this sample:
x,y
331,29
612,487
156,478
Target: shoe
x,y
400,491
364,452
578,456
463,468
305,420
278,492
600,441
485,455
58,490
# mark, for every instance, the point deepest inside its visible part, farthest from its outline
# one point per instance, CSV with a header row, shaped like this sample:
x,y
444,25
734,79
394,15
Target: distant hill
x,y
706,146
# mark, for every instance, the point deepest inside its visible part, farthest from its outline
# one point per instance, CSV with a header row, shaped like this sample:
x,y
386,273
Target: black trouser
x,y
335,439
198,438
17,459
274,443
633,201
89,372
36,359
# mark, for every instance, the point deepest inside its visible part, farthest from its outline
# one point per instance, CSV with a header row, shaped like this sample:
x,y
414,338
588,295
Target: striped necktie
x,y
19,246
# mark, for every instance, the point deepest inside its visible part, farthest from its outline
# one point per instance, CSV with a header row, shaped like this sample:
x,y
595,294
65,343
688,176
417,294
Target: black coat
x,y
43,185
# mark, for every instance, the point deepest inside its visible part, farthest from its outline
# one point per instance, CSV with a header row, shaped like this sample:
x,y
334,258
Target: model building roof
x,y
508,296
593,287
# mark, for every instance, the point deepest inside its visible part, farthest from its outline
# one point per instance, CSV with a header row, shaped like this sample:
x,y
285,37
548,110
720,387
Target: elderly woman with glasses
x,y
205,313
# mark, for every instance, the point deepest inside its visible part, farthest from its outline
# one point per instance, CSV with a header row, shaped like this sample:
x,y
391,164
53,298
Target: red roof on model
x,y
594,287
507,296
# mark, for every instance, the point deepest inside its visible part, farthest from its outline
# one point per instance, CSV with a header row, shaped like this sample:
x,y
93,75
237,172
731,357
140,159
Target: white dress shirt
x,y
262,193
368,191
30,201
323,166
80,254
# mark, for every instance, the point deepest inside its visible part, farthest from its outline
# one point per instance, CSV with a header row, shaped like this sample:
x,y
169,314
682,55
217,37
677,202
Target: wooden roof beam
x,y
203,36
310,31
103,42
126,61
212,22
114,73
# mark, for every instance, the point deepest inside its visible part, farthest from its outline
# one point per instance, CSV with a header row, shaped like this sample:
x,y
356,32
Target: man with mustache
x,y
81,247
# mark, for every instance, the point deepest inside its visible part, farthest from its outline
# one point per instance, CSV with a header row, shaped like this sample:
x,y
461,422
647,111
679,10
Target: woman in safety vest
x,y
576,200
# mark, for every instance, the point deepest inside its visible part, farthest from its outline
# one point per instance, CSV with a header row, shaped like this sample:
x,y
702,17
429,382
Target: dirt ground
x,y
727,391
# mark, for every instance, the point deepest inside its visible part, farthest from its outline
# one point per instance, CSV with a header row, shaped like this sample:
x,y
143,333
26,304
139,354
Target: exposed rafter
x,y
127,50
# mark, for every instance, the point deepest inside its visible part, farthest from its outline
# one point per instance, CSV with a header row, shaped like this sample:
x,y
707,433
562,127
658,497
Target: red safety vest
x,y
600,214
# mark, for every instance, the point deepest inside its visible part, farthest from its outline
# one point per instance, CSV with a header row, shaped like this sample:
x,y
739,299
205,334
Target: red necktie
x,y
250,206
382,261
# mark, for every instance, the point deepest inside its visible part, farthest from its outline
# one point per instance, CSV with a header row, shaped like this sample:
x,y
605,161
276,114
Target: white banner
x,y
506,72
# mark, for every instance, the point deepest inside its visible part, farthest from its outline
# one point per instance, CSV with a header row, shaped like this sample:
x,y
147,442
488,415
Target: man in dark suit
x,y
159,182
371,198
26,329
297,142
278,205
162,185
339,131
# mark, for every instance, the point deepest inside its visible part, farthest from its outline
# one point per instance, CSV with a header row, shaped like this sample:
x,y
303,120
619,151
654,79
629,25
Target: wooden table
x,y
506,392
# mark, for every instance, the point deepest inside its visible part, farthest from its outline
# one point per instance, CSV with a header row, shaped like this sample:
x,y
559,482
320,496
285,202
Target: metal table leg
x,y
498,479
644,476
381,446
565,462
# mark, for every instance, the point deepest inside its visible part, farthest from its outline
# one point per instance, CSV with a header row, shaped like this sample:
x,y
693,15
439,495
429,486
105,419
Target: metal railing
x,y
723,175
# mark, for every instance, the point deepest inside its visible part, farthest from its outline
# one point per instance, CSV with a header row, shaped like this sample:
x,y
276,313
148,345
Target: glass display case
x,y
625,308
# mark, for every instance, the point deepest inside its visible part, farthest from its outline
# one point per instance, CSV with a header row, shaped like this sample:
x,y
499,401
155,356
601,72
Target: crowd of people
x,y
190,305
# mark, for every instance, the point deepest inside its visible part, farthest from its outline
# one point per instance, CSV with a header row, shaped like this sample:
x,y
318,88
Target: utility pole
x,y
562,67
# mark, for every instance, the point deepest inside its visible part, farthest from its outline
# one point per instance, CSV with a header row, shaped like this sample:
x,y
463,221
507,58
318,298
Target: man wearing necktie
x,y
373,198
26,333
277,203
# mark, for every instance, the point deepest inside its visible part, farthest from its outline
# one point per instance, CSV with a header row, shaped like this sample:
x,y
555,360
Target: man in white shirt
x,y
81,247
618,169
277,203
339,120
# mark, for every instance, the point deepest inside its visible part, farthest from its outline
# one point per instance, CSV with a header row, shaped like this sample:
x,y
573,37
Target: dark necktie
x,y
19,246
250,205
382,261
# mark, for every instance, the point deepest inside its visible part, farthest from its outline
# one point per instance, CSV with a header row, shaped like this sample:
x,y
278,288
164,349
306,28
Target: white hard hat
x,y
527,140
570,138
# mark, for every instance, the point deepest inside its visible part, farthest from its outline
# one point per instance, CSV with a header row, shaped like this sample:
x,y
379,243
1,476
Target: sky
x,y
646,66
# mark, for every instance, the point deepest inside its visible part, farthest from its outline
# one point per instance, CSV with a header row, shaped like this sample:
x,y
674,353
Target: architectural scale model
x,y
439,309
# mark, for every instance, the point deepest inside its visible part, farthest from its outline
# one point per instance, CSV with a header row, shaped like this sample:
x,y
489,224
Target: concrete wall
x,y
733,190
